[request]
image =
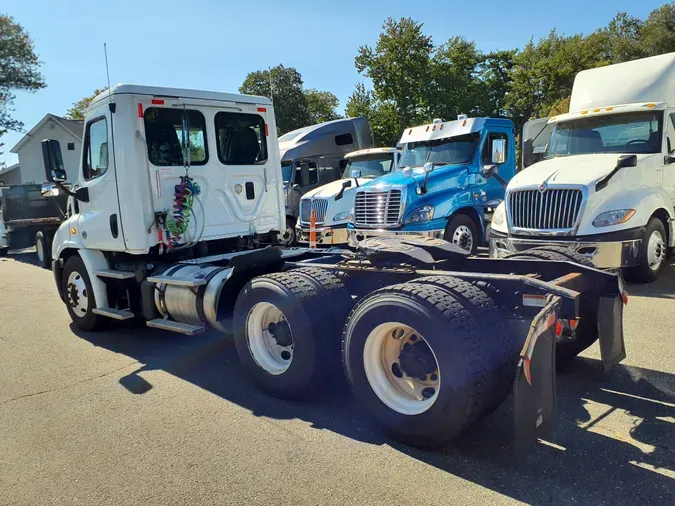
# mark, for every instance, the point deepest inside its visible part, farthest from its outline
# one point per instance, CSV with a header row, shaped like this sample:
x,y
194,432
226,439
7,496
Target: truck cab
x,y
605,187
313,156
451,176
332,203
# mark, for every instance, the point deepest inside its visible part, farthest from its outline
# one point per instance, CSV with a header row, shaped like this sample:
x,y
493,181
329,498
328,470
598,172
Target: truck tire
x,y
79,296
286,361
43,250
287,236
441,355
3,252
652,258
462,231
501,345
586,332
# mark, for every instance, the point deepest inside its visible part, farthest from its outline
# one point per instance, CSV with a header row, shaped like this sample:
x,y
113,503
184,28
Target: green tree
x,y
19,69
360,102
658,32
321,106
284,86
79,108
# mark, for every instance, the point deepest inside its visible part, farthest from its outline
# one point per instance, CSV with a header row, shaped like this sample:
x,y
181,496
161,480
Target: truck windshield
x,y
617,133
370,165
454,150
287,170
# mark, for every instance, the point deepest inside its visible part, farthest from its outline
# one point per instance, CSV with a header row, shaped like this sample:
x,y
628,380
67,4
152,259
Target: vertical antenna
x,y
107,70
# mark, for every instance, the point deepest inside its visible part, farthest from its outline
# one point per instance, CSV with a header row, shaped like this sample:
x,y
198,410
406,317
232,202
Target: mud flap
x,y
535,385
610,331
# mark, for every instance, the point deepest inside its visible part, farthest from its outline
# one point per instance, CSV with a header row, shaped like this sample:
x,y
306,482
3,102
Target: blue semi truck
x,y
451,177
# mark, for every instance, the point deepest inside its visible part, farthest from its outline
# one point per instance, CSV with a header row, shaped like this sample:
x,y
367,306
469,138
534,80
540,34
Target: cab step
x,y
176,280
110,273
182,328
115,314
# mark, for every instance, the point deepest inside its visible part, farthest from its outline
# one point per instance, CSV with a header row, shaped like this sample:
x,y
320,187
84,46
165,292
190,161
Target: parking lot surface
x,y
136,416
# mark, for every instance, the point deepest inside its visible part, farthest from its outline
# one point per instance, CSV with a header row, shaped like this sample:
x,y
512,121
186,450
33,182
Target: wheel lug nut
x,y
396,370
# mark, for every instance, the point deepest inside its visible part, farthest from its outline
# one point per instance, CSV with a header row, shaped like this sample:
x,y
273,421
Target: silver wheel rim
x,y
383,364
287,237
40,251
463,238
656,250
271,346
77,294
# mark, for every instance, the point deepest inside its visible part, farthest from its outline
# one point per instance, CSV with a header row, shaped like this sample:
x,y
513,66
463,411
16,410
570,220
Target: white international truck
x,y
177,192
606,185
332,203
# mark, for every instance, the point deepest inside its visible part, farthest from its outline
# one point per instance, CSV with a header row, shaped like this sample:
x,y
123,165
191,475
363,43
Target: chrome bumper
x,y
604,255
325,236
358,235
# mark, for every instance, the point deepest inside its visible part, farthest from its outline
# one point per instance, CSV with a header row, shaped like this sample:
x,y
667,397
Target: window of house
x,y
313,172
241,138
344,139
164,130
487,149
96,149
71,146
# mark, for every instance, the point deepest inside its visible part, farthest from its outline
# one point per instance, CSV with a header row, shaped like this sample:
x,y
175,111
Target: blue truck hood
x,y
440,178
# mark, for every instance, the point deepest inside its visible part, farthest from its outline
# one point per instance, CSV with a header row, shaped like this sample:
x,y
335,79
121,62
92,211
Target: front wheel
x,y
79,296
652,257
462,231
43,250
287,237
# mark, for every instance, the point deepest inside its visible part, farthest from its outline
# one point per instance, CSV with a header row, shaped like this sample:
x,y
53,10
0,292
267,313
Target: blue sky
x,y
213,44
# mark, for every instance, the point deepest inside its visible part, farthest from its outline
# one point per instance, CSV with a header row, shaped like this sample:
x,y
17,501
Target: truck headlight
x,y
613,217
343,216
499,215
424,213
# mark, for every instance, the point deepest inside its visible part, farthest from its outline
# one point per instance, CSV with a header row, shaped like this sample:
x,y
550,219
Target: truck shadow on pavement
x,y
588,459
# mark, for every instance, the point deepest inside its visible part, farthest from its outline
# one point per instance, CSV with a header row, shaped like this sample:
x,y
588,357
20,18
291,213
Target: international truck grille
x,y
377,209
553,209
320,206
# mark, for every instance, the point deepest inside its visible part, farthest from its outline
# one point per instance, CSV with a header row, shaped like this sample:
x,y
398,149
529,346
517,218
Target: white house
x,y
10,175
29,148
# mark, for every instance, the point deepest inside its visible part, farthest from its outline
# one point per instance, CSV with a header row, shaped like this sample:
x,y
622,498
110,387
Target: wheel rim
x,y
463,238
401,368
270,339
77,294
40,251
287,237
656,250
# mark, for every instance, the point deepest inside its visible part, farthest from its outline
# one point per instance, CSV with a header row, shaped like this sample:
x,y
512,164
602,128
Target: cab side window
x,y
96,149
490,146
670,139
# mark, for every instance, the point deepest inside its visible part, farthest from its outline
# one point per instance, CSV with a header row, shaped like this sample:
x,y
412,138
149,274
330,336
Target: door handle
x,y
250,191
114,229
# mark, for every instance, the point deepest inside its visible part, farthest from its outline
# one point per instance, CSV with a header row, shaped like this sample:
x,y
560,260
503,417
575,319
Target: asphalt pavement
x,y
137,416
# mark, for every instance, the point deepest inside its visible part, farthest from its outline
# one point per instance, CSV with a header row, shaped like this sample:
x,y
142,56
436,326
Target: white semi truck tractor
x,y
179,194
605,187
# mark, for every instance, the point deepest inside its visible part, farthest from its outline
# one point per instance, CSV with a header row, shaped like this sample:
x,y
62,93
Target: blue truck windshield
x,y
615,133
454,150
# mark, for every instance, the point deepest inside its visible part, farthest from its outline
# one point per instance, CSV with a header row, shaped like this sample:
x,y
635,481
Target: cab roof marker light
x,y
650,105
427,128
553,118
441,127
609,108
584,112
433,128
464,123
596,110
409,131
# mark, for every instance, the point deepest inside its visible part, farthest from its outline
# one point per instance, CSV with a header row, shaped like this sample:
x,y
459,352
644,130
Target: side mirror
x,y
53,161
428,167
498,151
49,190
304,174
668,159
407,172
626,161
488,171
355,173
527,153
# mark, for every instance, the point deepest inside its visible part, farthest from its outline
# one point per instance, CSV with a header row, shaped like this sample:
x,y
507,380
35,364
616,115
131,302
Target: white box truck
x,y
606,185
175,189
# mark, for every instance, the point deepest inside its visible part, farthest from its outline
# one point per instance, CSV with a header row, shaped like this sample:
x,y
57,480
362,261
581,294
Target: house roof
x,y
73,127
9,169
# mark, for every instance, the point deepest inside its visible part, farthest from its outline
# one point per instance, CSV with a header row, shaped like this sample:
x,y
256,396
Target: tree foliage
x,y
294,107
79,108
19,69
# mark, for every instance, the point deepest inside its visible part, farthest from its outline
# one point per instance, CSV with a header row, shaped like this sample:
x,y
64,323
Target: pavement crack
x,y
66,387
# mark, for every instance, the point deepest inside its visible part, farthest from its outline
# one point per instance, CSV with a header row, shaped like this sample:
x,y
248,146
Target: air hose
x,y
185,193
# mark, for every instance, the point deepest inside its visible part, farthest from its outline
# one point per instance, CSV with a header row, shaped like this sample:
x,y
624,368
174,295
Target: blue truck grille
x,y
320,206
377,209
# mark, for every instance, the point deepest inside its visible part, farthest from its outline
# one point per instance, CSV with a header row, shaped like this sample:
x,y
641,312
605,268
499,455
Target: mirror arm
x,y
423,190
346,184
65,190
503,182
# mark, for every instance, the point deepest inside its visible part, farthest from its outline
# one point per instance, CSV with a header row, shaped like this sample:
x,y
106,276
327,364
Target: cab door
x,y
99,224
496,149
669,150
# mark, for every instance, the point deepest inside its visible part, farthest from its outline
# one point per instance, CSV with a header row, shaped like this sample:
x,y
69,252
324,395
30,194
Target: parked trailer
x,y
430,339
29,218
